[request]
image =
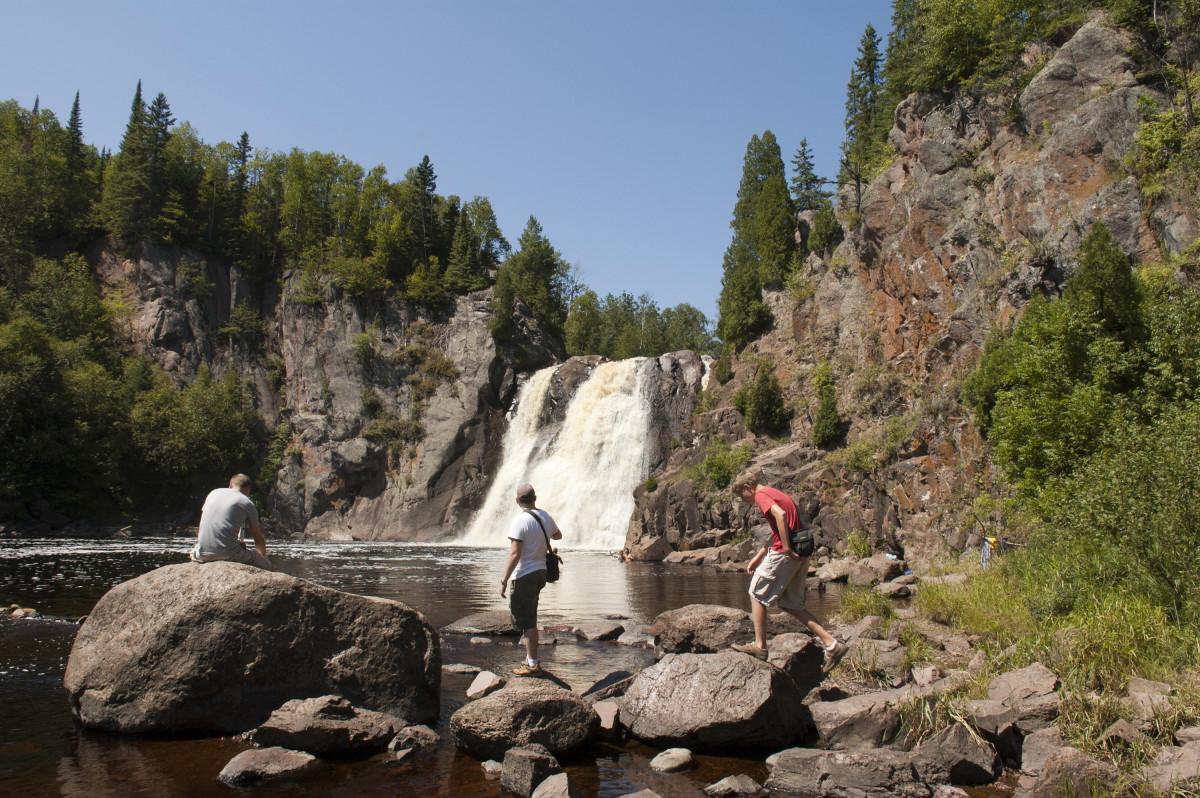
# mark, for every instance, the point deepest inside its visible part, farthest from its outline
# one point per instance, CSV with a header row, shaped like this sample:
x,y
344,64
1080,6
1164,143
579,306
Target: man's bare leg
x,y
809,620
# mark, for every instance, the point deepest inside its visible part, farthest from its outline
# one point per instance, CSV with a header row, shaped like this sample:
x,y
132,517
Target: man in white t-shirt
x,y
226,512
529,533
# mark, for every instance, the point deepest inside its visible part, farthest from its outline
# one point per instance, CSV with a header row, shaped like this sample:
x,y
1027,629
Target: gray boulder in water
x,y
215,648
714,702
527,711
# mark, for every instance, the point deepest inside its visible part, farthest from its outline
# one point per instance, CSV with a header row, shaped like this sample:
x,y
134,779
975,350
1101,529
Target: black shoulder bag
x,y
802,539
552,558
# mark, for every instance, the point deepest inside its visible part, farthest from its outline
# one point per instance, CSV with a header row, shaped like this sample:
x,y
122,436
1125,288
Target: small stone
x,y
557,786
740,786
1189,735
492,769
673,760
418,738
485,683
461,667
480,641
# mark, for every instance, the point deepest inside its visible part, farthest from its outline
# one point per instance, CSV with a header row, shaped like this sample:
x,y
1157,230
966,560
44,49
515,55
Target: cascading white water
x,y
585,475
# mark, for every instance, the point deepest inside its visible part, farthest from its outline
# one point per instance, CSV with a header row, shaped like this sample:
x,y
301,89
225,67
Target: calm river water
x,y
43,752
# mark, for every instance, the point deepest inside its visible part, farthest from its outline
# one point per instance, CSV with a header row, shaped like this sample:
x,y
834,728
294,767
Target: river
x,y
43,751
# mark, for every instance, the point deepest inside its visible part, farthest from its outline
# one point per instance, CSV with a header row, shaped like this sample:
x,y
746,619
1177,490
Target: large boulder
x,y
215,648
527,711
701,629
714,701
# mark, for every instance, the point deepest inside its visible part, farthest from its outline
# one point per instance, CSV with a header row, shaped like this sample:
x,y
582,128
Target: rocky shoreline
x,y
341,676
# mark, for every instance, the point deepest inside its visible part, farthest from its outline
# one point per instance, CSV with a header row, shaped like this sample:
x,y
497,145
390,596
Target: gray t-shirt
x,y
225,512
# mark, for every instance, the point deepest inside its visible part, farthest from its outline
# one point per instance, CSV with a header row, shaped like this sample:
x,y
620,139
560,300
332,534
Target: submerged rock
x,y
215,648
264,764
327,726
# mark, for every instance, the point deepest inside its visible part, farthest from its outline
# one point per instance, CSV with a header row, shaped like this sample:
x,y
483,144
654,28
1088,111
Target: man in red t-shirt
x,y
779,576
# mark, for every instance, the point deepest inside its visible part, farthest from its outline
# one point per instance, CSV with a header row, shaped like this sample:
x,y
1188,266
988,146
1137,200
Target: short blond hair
x,y
240,482
743,479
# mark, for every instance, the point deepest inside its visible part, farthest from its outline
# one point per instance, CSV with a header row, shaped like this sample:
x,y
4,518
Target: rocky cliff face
x,y
986,201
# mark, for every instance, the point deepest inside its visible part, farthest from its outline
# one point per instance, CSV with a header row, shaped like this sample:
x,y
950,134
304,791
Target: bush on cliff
x,y
762,403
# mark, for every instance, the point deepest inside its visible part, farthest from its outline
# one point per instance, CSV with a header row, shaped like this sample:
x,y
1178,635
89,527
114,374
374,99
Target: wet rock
x,y
497,623
700,629
480,641
739,786
228,644
599,630
485,683
641,794
420,739
492,769
526,711
326,726
959,752
946,791
526,767
848,774
673,760
638,636
260,765
461,667
670,703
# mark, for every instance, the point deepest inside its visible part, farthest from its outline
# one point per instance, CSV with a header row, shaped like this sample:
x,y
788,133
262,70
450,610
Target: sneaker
x,y
752,649
834,655
525,669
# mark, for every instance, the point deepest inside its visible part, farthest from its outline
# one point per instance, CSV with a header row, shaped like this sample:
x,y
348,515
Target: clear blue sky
x,y
619,124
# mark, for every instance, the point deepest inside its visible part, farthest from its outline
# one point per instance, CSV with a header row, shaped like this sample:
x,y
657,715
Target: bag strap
x,y
543,526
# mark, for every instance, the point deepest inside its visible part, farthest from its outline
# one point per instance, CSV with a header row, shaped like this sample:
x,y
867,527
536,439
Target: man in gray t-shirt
x,y
226,512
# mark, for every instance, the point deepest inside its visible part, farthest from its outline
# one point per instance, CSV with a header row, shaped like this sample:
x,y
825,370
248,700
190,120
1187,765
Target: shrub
x,y
762,404
722,463
651,484
826,232
827,424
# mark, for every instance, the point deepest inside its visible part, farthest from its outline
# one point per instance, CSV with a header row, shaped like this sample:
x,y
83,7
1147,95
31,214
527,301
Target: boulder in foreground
x,y
216,648
527,711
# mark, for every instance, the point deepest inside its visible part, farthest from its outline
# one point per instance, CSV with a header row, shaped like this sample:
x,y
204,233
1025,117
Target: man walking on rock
x,y
226,512
530,534
779,576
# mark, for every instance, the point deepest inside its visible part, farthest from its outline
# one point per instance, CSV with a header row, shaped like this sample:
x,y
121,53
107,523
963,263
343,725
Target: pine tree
x,y
158,130
126,203
74,152
864,101
806,183
537,274
426,181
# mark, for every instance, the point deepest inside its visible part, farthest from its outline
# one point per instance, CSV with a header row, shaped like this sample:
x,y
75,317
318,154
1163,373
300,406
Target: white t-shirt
x,y
533,542
226,511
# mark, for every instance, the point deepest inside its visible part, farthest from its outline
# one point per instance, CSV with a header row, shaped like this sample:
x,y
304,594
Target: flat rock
x,y
228,644
497,623
264,764
1021,685
638,636
1189,735
558,785
526,711
461,668
848,774
1037,747
326,726
674,703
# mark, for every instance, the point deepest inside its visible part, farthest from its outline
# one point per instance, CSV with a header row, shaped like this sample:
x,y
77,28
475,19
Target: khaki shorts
x,y
246,556
523,600
780,581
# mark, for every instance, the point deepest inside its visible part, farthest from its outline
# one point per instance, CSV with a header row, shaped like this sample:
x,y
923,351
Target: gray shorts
x,y
523,600
780,581
246,556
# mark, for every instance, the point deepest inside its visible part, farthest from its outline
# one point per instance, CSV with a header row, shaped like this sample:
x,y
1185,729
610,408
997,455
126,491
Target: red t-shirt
x,y
767,497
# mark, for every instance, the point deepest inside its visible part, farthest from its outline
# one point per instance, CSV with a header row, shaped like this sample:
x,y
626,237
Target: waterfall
x,y
586,473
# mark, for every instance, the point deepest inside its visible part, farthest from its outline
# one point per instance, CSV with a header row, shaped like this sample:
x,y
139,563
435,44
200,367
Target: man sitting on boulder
x,y
779,576
530,534
226,512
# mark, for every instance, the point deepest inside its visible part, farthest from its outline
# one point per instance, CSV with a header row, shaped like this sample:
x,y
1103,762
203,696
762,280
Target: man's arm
x,y
514,557
758,558
260,543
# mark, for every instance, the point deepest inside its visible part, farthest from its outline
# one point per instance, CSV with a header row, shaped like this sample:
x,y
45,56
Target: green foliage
x,y
621,326
856,603
723,368
721,464
827,424
245,326
826,232
277,449
762,403
366,345
806,183
651,484
865,151
537,275
393,433
858,546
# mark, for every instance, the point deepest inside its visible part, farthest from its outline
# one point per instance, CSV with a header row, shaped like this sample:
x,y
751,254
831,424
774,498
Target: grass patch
x,y
856,603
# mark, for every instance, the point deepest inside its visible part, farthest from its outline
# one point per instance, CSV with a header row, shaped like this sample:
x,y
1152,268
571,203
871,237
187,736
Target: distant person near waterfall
x,y
226,512
530,534
779,576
